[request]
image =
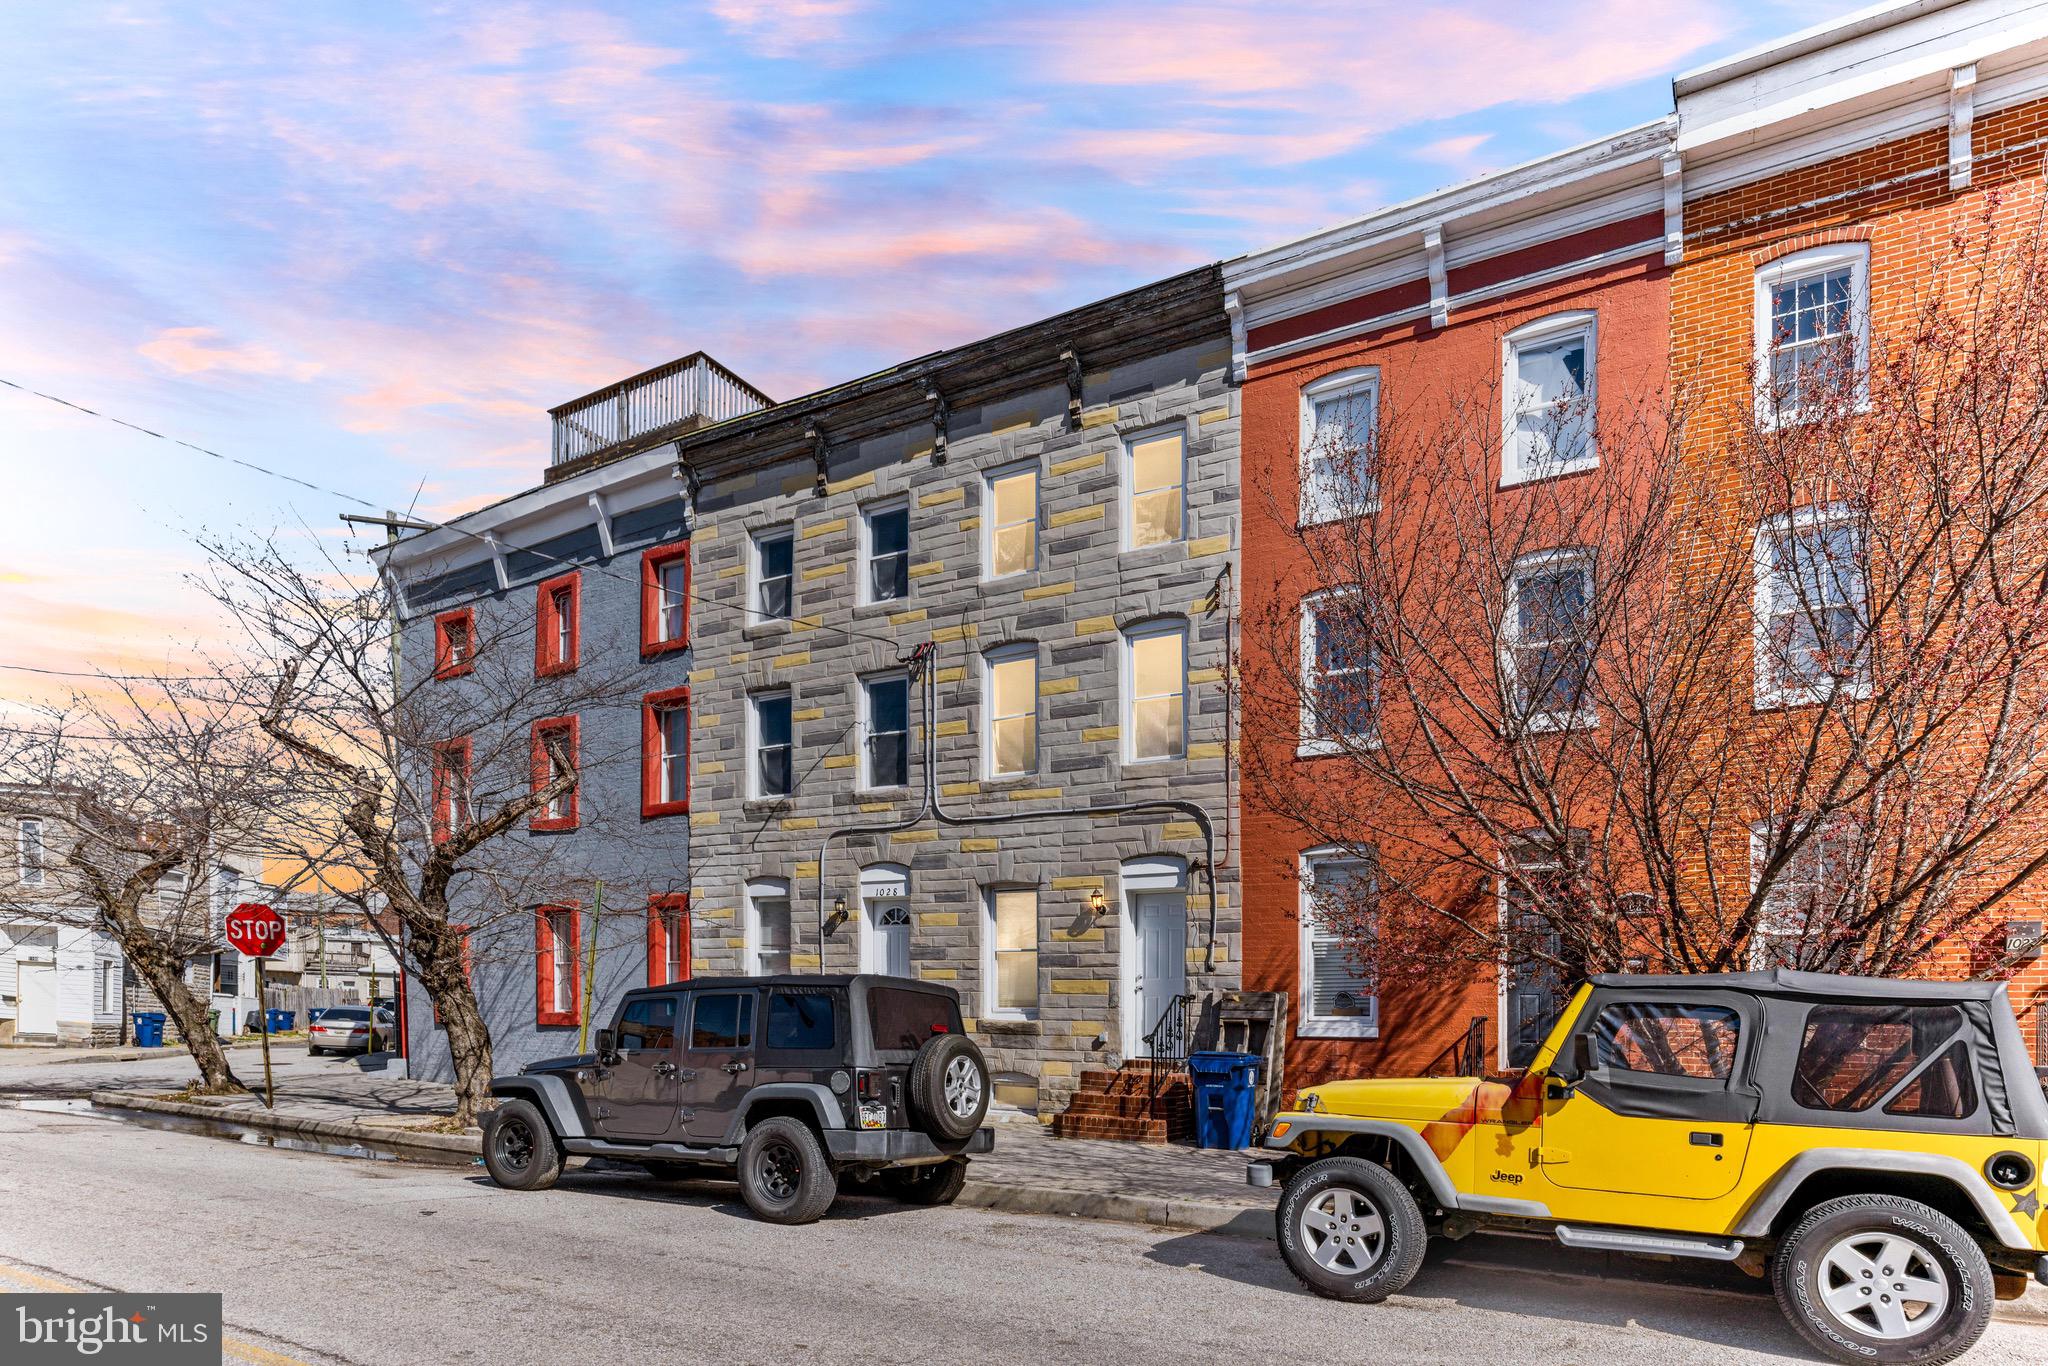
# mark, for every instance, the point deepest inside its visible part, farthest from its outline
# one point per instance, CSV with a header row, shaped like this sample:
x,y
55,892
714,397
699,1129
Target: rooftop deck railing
x,y
695,386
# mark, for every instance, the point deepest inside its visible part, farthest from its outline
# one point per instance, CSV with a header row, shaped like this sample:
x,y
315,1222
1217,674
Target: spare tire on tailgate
x,y
949,1087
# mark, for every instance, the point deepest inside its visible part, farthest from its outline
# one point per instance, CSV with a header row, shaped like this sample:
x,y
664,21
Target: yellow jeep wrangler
x,y
1874,1146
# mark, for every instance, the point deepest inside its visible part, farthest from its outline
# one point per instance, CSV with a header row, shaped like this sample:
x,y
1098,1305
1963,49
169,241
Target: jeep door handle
x,y
735,1068
1702,1139
664,1069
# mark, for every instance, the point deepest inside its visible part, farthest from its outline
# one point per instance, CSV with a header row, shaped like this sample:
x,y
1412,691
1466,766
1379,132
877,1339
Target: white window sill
x,y
1323,749
1517,478
1550,723
1789,698
1305,518
1131,761
1008,1017
1337,1029
1772,419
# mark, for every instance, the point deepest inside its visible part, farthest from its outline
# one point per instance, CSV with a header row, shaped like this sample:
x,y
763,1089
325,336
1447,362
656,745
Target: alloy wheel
x,y
963,1087
1343,1231
1882,1285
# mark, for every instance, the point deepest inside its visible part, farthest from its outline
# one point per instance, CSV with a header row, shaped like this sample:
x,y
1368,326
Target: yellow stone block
x,y
1208,545
1180,830
808,714
915,614
952,728
1062,884
837,524
840,760
877,806
1100,417
703,818
824,571
713,913
979,846
964,631
708,721
1077,462
803,962
1088,626
1098,733
952,675
797,624
1056,1069
913,837
732,571
851,482
1026,794
932,974
1047,590
702,675
1207,749
1214,415
1200,956
967,789
736,942
927,569
970,523
791,661
808,868
1079,986
740,657
1093,936
1053,687
711,766
1088,1027
1205,675
938,918
942,497
1094,512
799,822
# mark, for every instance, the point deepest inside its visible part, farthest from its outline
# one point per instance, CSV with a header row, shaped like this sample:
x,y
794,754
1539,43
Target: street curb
x,y
353,1132
1196,1216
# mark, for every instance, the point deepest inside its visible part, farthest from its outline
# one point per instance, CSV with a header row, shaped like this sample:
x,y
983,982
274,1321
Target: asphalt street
x,y
325,1259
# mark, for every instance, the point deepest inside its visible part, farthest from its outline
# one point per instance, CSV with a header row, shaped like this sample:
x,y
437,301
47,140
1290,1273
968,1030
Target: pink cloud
x,y
783,28
199,350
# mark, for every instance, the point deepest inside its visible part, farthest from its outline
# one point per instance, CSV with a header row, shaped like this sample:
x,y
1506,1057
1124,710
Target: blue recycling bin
x,y
149,1028
280,1021
1226,1097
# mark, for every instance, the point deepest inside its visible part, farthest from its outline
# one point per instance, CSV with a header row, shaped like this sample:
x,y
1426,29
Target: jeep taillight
x,y
863,1084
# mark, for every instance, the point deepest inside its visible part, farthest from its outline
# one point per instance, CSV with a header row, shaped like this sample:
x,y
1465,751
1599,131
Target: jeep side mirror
x,y
607,1045
1582,1054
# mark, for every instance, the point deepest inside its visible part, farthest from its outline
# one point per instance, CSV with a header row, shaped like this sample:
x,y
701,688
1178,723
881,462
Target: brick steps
x,y
1124,1106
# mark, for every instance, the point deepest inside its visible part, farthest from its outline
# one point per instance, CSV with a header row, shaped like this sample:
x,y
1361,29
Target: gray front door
x,y
636,1096
1162,958
717,1054
892,937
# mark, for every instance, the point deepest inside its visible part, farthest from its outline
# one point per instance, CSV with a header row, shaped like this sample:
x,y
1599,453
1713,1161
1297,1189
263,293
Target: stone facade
x,y
1070,613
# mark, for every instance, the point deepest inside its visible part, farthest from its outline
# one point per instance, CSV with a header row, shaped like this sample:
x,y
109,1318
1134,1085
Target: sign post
x,y
258,931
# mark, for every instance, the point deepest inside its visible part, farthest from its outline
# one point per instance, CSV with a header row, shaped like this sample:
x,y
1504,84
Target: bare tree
x,y
1764,683
424,777
141,788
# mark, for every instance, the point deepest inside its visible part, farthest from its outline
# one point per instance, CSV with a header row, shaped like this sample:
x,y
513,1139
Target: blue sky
x,y
369,244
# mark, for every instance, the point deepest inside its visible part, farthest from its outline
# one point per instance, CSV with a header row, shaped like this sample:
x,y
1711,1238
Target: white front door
x,y
1161,919
889,938
36,992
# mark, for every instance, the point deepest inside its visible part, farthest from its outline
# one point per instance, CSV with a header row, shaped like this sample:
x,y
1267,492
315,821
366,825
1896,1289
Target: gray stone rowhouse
x,y
1080,401
599,523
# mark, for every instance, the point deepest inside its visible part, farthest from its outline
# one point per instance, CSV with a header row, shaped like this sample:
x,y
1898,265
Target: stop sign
x,y
255,929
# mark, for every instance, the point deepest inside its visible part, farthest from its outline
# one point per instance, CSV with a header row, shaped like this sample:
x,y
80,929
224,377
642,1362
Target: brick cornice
x,y
1823,237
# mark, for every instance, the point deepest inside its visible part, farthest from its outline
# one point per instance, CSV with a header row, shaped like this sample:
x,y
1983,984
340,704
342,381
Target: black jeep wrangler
x,y
798,1082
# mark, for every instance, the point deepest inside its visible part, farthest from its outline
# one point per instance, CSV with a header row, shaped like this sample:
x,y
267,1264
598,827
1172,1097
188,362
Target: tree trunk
x,y
165,974
437,952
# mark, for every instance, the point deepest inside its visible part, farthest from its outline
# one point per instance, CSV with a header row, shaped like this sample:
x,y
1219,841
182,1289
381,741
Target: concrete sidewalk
x,y
1030,1172
36,1054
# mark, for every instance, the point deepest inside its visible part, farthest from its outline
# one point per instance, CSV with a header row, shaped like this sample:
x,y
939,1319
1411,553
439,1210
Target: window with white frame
x,y
1812,322
1808,898
1549,638
559,925
1811,596
1339,996
1549,379
771,719
1339,427
1010,521
1155,485
671,760
1009,987
885,730
1339,683
767,929
28,842
885,545
109,995
1011,687
773,570
1155,692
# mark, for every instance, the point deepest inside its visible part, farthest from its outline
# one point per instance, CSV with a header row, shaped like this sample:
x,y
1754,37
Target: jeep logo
x,y
1507,1178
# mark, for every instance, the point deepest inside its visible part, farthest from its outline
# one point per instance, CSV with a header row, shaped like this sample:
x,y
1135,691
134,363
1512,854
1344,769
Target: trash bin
x,y
281,1020
1226,1097
149,1028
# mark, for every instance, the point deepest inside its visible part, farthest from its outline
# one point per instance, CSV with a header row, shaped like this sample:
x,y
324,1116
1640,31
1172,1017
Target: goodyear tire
x,y
785,1177
938,1183
949,1087
1349,1230
1874,1278
520,1151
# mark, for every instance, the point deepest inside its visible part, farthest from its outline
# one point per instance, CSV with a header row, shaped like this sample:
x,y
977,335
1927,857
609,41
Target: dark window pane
x,y
888,761
778,557
1943,1090
1852,1057
649,1023
889,532
800,1021
723,1020
775,598
775,776
1673,1040
903,1019
774,713
889,704
889,578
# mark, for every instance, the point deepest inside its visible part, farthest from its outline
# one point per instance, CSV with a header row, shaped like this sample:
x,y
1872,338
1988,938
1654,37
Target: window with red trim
x,y
560,814
558,966
665,598
558,624
455,642
668,938
665,753
452,798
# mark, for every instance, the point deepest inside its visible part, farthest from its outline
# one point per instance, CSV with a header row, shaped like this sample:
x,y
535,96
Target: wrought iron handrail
x,y
1466,1057
1166,1047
